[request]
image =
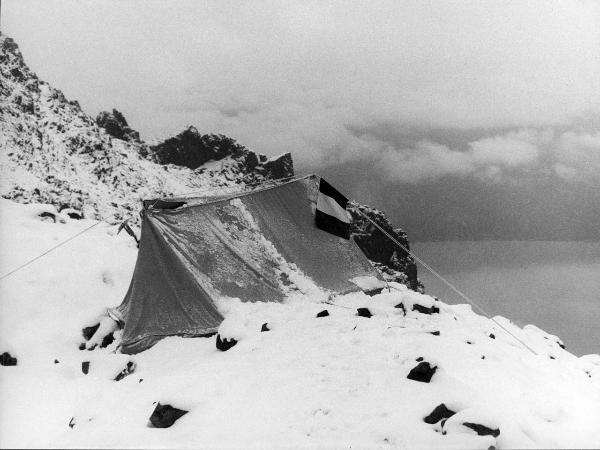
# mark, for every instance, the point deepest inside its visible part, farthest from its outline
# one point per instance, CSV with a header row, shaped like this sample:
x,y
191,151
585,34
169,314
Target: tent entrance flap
x,y
260,246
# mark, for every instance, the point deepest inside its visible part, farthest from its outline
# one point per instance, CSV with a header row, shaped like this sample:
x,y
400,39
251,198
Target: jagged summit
x,y
53,152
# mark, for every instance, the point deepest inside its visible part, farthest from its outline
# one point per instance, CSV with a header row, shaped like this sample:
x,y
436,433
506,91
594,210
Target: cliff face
x,y
53,152
391,260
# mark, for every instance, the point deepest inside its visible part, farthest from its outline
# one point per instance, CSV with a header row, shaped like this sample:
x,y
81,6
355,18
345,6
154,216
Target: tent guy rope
x,y
450,285
48,251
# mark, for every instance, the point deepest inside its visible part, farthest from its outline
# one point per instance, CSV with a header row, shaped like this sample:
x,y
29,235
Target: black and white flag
x,y
331,214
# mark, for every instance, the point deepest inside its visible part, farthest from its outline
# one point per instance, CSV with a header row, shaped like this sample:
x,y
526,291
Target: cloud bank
x,y
486,89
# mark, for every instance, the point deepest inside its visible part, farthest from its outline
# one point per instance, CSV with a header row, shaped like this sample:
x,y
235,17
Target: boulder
x,y
440,412
323,313
364,312
422,372
85,367
7,360
265,327
164,416
482,430
225,344
425,310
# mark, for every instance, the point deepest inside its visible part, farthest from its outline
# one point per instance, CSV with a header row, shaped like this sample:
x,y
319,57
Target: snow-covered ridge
x,y
53,152
329,382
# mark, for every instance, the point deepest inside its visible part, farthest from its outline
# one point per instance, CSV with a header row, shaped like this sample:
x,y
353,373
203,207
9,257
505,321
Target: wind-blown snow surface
x,y
330,382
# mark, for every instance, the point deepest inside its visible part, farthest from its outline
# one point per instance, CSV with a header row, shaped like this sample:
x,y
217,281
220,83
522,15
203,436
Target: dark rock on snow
x,y
88,332
85,367
482,430
323,313
165,415
435,333
129,369
225,344
402,307
440,412
364,312
492,336
265,327
423,372
419,359
72,422
425,310
7,360
107,340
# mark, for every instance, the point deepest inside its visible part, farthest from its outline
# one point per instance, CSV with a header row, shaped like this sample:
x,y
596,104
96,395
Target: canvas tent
x,y
256,246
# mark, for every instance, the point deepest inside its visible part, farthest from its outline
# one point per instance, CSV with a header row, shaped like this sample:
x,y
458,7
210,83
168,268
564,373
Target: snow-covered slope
x,y
332,382
53,152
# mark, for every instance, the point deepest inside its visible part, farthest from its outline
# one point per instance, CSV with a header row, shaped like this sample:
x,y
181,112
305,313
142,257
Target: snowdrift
x,y
328,382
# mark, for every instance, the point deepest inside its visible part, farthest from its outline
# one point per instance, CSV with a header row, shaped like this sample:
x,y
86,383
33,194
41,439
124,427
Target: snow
x,y
331,382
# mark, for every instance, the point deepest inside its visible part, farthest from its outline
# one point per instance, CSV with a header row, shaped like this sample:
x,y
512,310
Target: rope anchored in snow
x,y
450,285
48,251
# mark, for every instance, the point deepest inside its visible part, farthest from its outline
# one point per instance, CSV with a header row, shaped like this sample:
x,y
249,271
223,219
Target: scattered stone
x,y
435,333
165,415
7,360
425,310
88,332
423,372
401,306
107,340
364,312
72,422
419,359
561,345
47,214
469,342
82,346
552,357
440,412
140,380
85,367
129,369
265,327
225,344
482,430
483,357
56,361
373,292
323,313
492,336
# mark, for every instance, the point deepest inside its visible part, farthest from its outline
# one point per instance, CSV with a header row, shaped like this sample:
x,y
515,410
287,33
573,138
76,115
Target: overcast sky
x,y
387,98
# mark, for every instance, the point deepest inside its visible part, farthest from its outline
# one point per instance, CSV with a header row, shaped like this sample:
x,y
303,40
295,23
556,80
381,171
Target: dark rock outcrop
x,y
391,260
426,309
165,415
7,360
323,313
192,149
482,430
115,124
225,344
440,412
364,312
423,372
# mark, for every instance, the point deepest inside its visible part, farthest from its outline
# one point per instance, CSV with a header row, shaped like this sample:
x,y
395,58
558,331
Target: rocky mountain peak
x,y
114,123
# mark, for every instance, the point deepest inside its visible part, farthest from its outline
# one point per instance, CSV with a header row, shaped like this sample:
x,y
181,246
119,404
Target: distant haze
x,y
462,120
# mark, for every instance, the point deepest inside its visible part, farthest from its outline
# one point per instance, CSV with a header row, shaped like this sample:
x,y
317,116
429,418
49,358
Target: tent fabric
x,y
261,246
